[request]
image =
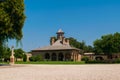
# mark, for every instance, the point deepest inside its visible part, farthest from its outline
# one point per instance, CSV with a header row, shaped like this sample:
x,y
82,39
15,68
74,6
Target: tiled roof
x,y
57,43
57,46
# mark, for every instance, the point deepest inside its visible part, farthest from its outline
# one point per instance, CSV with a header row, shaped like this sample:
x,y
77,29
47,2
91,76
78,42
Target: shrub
x,y
85,59
36,58
96,62
24,58
104,61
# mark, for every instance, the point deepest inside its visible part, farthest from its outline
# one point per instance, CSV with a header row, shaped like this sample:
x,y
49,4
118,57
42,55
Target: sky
x,y
84,20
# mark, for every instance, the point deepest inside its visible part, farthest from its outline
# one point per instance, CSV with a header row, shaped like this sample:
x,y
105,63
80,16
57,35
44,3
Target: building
x,y
90,56
93,56
58,50
28,55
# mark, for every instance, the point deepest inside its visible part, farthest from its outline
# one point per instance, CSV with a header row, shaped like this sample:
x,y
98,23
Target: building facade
x,y
58,50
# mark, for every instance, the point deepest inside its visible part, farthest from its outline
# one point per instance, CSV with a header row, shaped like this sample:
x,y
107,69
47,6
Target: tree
x,y
97,46
5,53
88,48
80,45
24,57
55,39
12,19
74,42
108,44
19,53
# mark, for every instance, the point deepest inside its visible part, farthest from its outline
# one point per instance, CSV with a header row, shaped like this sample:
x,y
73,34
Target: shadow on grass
x,y
4,64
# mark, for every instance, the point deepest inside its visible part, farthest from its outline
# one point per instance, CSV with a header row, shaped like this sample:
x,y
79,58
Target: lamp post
x,y
12,60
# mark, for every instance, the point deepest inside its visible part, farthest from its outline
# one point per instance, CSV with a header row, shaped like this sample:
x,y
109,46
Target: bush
x,y
96,62
31,58
24,58
36,58
116,60
85,59
103,61
6,59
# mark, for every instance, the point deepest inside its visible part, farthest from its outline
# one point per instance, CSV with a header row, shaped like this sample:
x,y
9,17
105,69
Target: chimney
x,y
68,42
52,41
64,41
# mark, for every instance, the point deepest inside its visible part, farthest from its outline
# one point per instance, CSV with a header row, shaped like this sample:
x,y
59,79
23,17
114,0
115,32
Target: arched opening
x,y
60,56
54,57
99,58
67,57
47,56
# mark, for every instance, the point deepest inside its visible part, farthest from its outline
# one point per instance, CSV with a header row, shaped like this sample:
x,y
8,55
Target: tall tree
x,y
12,19
4,53
74,42
108,44
80,45
19,53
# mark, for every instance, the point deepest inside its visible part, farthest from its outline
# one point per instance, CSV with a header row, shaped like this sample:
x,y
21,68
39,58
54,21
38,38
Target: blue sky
x,y
82,19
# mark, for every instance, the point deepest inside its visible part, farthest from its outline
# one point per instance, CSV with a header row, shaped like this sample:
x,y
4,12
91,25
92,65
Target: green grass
x,y
4,62
51,62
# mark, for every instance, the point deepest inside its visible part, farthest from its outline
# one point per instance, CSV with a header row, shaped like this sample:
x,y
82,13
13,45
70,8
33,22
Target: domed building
x,y
58,50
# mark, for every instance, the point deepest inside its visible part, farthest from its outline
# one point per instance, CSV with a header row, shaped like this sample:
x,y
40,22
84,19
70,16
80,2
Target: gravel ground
x,y
60,72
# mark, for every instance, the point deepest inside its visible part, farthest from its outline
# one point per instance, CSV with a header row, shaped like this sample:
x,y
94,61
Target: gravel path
x,y
60,72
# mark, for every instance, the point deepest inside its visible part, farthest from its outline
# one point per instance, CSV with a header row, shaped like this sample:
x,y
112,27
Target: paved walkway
x,y
60,72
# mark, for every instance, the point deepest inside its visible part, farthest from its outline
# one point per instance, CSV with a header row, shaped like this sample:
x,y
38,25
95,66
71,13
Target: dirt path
x,y
60,72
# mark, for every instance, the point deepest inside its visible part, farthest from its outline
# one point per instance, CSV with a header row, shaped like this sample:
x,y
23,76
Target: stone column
x,y
57,57
12,58
64,58
50,56
71,55
75,57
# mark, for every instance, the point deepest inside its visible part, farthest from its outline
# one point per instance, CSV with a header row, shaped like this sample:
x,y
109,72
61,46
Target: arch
x,y
54,57
99,58
60,56
67,57
47,56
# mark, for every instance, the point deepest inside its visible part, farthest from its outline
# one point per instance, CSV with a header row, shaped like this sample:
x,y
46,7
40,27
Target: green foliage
x,y
74,42
11,20
24,57
108,44
98,46
19,53
85,59
1,52
4,53
97,62
36,58
53,38
103,61
80,45
88,48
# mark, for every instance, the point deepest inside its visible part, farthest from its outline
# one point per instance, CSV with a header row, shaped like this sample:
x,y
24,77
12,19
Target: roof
x,y
60,31
57,43
89,53
57,46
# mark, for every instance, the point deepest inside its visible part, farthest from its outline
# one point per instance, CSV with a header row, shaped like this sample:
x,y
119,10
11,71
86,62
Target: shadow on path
x,y
4,64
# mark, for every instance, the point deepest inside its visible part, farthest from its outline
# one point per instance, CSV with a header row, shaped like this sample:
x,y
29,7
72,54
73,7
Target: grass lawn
x,y
51,62
4,63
